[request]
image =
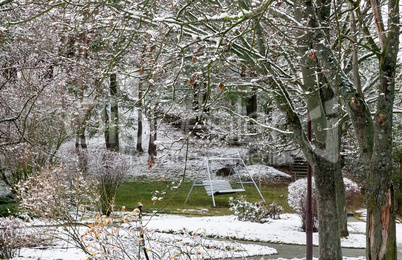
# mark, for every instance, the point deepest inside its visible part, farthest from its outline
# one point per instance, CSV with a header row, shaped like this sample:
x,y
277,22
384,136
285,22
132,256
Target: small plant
x,y
11,236
274,210
254,212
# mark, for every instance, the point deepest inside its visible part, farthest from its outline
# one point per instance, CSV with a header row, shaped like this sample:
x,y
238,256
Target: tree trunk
x,y
196,96
380,200
80,142
251,106
152,138
340,186
400,188
139,104
327,209
80,139
341,200
139,132
77,140
114,115
106,123
326,164
381,232
83,138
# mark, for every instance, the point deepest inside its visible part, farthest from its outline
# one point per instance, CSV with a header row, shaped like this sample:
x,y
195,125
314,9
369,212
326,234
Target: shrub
x,y
352,190
61,196
254,212
297,198
107,167
11,236
57,194
110,170
123,236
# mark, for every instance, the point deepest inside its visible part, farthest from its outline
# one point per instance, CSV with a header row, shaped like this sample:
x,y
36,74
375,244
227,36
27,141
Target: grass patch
x,y
8,207
130,193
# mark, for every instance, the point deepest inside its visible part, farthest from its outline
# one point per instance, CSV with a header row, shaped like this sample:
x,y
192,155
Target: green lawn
x,y
7,207
131,193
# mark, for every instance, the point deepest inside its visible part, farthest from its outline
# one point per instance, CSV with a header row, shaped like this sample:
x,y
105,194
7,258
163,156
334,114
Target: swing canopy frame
x,y
217,186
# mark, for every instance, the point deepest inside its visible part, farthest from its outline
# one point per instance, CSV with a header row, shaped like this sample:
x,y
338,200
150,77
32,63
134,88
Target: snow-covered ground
x,y
285,230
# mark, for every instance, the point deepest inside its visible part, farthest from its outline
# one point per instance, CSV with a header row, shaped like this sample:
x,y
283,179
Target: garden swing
x,y
217,183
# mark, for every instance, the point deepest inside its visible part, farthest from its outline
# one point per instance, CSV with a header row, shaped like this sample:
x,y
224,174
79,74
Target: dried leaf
x,y
312,55
150,162
221,86
192,80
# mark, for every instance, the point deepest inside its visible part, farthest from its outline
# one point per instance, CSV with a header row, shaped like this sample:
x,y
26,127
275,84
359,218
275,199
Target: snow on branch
x,y
249,119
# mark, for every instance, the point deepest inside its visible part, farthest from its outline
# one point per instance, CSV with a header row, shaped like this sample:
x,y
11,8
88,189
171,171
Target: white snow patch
x,y
266,171
285,230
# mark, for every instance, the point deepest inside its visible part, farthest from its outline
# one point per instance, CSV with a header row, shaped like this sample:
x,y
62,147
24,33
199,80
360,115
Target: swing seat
x,y
218,187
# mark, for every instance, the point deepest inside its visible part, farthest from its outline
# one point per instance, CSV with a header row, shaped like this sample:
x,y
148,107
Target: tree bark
x,y
139,131
140,103
251,106
80,142
327,209
152,138
83,138
341,200
77,140
381,230
106,123
114,115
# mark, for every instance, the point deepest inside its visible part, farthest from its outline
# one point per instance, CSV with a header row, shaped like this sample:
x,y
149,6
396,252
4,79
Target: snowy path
x,y
284,230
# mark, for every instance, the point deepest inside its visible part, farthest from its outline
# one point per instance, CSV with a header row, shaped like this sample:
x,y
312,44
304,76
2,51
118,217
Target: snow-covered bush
x,y
61,196
125,237
110,170
297,198
57,194
352,190
107,167
254,212
12,236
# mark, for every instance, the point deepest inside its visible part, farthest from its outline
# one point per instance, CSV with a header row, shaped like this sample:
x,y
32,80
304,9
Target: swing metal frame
x,y
215,187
